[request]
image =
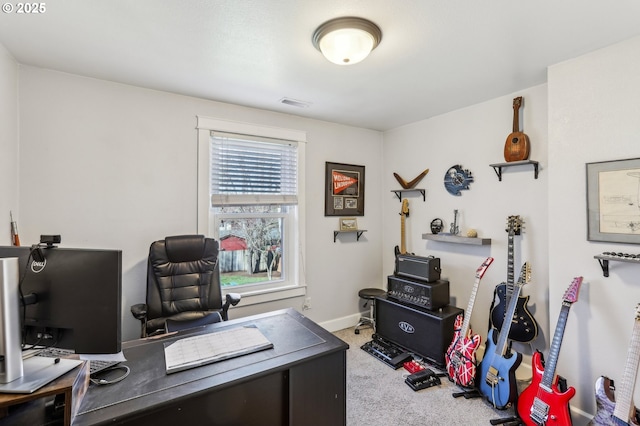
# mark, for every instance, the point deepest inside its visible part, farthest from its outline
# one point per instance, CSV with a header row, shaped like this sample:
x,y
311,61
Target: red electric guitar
x,y
542,403
460,357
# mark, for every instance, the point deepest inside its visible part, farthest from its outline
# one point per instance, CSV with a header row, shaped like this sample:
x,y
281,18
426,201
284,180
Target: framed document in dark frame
x,y
344,190
613,201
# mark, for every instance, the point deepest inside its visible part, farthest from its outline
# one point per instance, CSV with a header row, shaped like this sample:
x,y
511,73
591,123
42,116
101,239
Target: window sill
x,y
263,296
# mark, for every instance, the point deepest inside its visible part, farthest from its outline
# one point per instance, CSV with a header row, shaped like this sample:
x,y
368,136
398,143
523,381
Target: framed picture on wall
x,y
344,190
348,224
613,201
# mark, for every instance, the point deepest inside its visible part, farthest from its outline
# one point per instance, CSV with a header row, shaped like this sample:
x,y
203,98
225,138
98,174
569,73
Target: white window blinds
x,y
252,170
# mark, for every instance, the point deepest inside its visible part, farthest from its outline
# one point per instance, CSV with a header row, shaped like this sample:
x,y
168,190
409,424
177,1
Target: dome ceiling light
x,y
347,40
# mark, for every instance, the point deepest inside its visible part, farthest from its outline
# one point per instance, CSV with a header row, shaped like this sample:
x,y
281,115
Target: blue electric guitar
x,y
497,376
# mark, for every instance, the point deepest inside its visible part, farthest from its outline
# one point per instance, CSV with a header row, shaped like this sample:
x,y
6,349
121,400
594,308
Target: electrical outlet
x,y
307,304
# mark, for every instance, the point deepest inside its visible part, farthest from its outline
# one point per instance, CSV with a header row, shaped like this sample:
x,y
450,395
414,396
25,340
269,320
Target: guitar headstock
x,y
517,102
483,268
514,225
525,274
571,295
404,211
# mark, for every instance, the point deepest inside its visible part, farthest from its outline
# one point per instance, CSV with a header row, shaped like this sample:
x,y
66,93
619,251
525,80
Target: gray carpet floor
x,y
378,396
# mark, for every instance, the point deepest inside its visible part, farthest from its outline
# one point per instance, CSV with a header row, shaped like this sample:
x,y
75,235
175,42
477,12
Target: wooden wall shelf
x,y
498,167
457,239
358,233
604,261
399,192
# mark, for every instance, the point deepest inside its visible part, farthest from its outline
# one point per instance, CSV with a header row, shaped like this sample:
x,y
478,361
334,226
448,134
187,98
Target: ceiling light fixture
x,y
348,40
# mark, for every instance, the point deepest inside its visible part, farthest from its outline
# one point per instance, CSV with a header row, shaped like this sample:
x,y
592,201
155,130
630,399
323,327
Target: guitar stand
x,y
507,421
474,393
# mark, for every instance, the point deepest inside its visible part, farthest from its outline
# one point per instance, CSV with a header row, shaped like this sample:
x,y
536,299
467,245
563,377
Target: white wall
x,y
474,137
8,143
114,166
593,116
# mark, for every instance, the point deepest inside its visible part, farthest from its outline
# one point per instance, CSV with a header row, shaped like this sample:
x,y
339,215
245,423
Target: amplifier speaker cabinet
x,y
424,332
432,295
418,267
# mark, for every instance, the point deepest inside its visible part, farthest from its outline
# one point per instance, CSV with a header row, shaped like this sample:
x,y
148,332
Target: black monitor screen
x,y
77,298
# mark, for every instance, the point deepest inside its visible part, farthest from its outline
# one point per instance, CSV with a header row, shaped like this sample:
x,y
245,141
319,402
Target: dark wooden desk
x,y
301,381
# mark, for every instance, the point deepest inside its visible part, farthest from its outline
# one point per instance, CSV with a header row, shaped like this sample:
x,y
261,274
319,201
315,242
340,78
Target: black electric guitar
x,y
524,327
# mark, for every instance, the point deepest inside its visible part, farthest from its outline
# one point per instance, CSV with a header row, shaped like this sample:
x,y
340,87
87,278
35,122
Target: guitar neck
x,y
403,243
554,350
510,273
516,109
501,345
467,314
624,393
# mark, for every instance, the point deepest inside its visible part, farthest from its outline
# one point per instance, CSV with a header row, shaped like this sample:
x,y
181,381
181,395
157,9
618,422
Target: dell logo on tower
x,y
38,266
406,327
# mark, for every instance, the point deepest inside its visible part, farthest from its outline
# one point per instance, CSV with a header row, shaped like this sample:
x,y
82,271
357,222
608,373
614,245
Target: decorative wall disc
x,y
457,179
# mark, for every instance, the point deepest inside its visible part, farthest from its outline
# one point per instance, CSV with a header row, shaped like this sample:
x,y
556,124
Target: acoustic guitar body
x,y
516,148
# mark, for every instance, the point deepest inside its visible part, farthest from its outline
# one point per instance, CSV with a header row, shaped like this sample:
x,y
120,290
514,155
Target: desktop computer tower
x,y
421,331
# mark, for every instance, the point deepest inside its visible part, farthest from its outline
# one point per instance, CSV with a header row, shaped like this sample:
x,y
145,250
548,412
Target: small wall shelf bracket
x,y
399,192
358,233
498,167
604,264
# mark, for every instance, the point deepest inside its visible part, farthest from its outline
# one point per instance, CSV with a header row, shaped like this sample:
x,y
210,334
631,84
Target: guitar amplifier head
x,y
432,295
418,267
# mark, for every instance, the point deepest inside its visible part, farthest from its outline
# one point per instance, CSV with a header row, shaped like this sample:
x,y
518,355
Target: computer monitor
x,y
77,295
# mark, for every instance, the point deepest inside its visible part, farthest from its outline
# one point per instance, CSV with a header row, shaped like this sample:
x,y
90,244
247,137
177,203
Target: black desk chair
x,y
183,285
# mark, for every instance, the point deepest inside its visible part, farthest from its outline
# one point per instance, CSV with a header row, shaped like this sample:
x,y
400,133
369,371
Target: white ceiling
x,y
435,56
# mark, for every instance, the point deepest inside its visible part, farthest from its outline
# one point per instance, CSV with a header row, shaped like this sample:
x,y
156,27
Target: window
x,y
249,199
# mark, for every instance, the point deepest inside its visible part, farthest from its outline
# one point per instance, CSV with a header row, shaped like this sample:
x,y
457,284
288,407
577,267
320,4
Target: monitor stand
x,y
38,371
18,375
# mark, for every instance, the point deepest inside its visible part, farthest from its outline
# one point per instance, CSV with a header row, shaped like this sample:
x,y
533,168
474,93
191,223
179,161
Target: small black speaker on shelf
x,y
422,331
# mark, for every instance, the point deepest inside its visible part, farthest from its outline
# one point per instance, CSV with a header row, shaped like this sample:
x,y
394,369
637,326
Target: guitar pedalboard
x,y
387,352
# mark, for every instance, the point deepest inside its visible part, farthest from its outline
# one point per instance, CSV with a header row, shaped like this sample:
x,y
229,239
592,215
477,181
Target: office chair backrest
x,y
183,275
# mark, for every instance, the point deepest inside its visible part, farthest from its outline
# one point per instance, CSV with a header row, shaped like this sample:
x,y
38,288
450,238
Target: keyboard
x,y
95,366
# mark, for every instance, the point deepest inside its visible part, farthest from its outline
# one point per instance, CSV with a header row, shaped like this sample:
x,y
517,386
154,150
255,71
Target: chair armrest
x,y
139,311
231,299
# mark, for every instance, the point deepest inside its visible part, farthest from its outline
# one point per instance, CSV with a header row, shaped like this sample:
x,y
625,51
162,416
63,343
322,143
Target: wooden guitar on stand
x,y
524,327
516,148
620,411
542,402
461,355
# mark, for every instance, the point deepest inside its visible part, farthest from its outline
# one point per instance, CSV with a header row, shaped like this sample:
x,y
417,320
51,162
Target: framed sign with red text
x,y
344,190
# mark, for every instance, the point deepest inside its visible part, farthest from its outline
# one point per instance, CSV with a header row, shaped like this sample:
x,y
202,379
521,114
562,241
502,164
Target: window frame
x,y
296,286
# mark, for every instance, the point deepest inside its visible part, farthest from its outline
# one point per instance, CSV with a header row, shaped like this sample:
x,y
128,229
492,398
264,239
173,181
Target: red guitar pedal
x,y
413,366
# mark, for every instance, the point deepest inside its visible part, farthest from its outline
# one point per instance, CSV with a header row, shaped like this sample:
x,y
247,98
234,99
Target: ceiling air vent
x,y
295,103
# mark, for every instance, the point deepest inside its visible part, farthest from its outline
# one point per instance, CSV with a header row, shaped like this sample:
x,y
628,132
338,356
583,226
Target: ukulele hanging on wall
x,y
516,148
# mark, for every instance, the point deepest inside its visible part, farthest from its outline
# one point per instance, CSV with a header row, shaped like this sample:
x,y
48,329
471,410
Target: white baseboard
x,y
340,323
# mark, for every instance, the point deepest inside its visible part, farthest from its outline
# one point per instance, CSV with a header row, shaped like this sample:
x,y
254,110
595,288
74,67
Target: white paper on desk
x,y
119,357
190,352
